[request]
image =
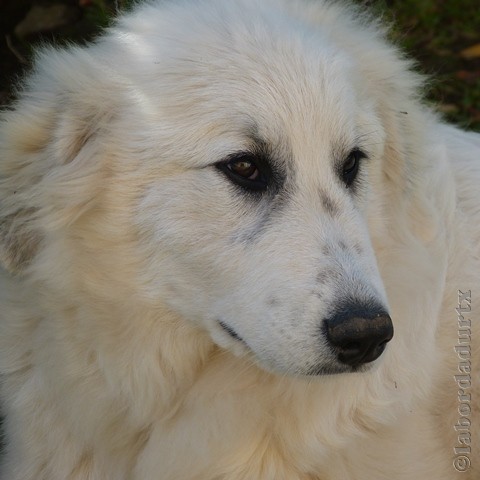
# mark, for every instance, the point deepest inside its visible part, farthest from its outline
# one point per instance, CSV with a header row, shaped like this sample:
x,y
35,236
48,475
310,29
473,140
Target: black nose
x,y
359,335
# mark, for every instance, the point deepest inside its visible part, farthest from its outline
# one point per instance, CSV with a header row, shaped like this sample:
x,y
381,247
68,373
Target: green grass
x,y
101,12
435,33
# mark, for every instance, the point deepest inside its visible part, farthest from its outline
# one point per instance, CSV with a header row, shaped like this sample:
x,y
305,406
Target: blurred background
x,y
444,36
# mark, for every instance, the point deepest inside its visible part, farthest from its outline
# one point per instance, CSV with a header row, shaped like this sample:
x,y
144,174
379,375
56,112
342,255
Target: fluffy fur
x,y
124,246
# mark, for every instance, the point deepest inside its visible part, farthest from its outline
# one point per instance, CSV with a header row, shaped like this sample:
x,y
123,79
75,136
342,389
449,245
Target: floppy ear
x,y
49,155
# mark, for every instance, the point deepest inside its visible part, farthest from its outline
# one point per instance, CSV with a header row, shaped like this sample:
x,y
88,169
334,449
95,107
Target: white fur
x,y
123,247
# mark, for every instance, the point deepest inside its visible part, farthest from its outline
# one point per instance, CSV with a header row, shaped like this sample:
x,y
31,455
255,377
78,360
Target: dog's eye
x,y
245,170
351,165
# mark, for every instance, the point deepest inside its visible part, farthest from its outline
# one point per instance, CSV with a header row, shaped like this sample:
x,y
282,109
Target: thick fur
x,y
124,246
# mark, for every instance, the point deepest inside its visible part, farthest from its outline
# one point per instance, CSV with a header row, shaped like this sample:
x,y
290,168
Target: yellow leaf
x,y
471,52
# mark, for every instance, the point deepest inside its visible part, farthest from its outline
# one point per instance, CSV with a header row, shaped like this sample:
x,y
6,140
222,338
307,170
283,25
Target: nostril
x,y
350,353
384,343
359,337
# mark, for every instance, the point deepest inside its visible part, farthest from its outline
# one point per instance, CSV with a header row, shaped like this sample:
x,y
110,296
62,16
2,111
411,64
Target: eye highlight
x,y
247,170
351,166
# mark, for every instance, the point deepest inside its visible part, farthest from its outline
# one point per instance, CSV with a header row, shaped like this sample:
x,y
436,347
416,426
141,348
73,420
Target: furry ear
x,y
48,153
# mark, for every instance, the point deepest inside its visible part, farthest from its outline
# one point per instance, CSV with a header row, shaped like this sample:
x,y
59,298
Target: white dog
x,y
237,247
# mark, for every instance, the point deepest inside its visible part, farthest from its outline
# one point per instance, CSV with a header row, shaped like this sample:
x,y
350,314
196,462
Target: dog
x,y
236,245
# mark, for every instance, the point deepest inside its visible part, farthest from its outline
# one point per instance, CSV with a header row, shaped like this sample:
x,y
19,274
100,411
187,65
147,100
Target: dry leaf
x,y
471,52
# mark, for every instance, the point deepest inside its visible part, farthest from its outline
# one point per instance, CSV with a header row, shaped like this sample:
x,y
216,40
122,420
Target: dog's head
x,y
222,161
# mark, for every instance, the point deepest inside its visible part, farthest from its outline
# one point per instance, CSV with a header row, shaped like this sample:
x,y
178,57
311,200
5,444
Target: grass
x,y
435,34
101,12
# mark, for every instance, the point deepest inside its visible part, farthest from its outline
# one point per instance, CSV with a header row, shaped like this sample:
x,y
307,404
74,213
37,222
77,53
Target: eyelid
x,y
342,158
359,151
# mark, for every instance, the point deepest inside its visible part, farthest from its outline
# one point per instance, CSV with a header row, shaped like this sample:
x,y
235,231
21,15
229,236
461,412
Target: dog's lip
x,y
231,331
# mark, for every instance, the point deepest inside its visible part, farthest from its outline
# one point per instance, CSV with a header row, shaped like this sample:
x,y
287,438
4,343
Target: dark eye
x,y
351,165
246,170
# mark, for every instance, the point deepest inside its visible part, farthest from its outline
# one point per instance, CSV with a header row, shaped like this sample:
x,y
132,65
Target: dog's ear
x,y
49,153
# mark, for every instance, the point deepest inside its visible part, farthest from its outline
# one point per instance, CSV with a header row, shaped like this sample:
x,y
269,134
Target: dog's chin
x,y
226,338
307,372
336,369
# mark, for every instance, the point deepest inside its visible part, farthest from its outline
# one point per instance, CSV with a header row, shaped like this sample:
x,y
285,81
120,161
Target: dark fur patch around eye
x,y
271,160
261,173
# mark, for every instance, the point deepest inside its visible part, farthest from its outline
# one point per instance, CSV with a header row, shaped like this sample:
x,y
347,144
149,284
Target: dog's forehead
x,y
243,68
281,88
